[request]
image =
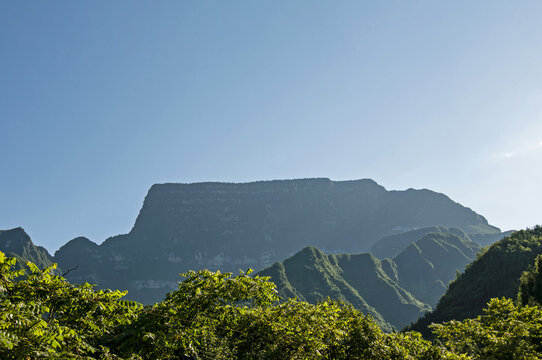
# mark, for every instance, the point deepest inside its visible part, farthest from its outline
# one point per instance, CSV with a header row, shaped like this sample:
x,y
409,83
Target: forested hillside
x,y
398,291
495,273
426,266
360,280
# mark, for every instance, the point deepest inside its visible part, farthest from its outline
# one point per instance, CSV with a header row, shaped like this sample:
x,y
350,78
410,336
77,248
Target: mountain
x,y
231,226
310,275
495,273
427,266
390,246
16,243
400,290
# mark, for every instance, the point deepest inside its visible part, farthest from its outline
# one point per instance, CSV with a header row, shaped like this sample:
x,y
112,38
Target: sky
x,y
101,99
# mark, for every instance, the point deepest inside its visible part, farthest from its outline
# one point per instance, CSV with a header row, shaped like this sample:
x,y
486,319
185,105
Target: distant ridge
x,y
231,226
390,246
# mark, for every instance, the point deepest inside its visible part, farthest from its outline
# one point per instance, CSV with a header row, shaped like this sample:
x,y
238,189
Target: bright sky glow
x,y
101,99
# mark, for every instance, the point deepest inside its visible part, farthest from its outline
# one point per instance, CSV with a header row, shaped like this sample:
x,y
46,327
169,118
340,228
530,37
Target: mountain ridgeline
x,y
396,291
360,280
390,246
231,226
427,266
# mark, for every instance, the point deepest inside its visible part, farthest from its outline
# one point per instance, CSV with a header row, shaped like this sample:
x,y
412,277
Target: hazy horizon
x,y
100,100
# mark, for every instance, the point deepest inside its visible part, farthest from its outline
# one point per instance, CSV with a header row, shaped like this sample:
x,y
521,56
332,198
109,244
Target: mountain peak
x,y
17,243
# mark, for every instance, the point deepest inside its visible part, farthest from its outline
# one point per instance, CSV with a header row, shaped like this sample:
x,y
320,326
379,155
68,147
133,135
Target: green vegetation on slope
x,y
398,290
360,280
366,274
495,273
427,266
16,243
311,276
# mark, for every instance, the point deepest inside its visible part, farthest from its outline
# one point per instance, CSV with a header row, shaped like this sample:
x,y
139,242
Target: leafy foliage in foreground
x,y
504,331
219,316
216,316
43,315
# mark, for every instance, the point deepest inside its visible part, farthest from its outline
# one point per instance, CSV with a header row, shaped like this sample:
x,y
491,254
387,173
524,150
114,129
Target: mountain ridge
x,y
231,226
399,294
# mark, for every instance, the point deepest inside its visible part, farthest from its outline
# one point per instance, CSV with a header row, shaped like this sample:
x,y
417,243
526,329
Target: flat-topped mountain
x,y
230,226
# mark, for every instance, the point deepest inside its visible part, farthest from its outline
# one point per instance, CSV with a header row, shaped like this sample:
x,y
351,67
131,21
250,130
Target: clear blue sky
x,y
101,99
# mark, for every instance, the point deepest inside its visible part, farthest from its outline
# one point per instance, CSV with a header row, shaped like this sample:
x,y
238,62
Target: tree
x,y
504,331
220,316
530,287
44,316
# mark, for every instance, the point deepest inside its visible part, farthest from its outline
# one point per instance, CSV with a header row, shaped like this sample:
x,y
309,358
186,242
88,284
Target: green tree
x,y
44,316
504,331
530,286
220,316
196,321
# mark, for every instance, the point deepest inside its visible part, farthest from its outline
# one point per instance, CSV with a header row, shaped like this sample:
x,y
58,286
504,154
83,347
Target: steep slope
x,y
427,266
390,246
310,275
367,275
495,273
230,226
16,243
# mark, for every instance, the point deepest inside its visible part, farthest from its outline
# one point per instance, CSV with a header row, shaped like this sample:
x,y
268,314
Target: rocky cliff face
x,y
236,226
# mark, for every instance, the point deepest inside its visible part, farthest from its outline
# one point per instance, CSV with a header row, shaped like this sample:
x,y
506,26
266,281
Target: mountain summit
x,y
231,226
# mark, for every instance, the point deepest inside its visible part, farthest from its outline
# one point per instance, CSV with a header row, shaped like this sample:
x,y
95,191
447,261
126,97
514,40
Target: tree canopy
x,y
214,315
